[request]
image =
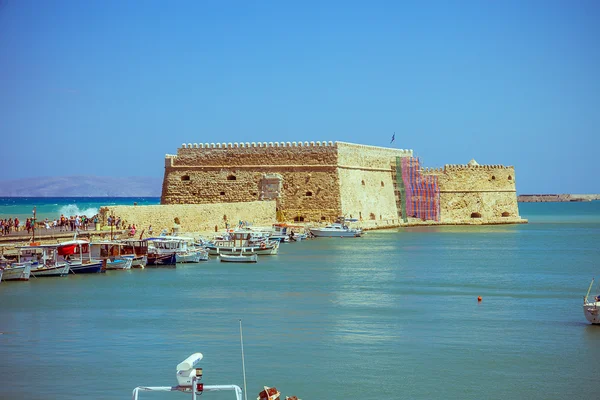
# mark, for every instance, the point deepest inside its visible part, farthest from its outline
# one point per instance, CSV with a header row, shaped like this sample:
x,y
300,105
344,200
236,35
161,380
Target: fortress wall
x,y
371,157
204,175
457,208
373,201
193,217
479,178
366,184
487,191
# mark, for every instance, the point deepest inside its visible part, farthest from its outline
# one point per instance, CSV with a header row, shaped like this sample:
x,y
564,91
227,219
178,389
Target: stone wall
x,y
236,172
366,184
193,217
477,194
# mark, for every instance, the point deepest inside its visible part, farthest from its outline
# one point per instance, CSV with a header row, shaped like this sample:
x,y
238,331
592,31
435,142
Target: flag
x,y
393,138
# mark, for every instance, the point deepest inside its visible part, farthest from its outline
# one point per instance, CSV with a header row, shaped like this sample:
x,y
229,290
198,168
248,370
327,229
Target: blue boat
x,y
155,260
90,268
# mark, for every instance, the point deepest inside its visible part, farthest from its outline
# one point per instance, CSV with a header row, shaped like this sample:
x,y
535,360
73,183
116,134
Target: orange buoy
x,y
478,298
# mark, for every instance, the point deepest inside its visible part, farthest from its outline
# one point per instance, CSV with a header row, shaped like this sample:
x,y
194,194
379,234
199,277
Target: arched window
x,y
510,178
309,193
382,184
323,218
222,193
231,178
185,178
475,215
493,177
362,182
506,214
299,218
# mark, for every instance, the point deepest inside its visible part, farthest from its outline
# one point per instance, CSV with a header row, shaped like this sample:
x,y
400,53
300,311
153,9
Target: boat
x,y
1,271
115,263
137,250
336,229
238,258
242,242
49,269
191,256
285,233
16,271
188,377
591,308
55,259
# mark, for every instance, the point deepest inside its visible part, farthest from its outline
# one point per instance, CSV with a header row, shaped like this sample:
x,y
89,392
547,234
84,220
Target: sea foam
x,y
72,210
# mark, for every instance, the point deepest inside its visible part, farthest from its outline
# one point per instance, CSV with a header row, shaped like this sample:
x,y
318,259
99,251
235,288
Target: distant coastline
x,y
538,198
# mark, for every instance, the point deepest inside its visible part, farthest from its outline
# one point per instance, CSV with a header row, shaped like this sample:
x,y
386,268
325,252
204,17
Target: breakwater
x,y
537,198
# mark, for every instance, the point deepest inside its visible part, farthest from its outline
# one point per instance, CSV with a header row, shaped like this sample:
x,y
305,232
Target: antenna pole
x,y
243,364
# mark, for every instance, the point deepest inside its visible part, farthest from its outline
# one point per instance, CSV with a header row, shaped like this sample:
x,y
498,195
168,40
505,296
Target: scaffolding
x,y
421,193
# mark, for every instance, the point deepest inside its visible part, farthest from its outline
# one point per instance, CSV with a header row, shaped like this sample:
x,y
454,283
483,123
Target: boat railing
x,y
188,377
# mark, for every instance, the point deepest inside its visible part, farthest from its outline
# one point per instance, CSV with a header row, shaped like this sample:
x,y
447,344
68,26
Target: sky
x,y
108,88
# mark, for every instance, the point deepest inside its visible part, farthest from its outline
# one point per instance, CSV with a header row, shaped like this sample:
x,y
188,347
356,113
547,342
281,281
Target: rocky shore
x,y
536,198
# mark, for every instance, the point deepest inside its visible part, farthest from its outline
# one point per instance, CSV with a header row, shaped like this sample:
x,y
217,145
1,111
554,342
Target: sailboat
x,y
591,308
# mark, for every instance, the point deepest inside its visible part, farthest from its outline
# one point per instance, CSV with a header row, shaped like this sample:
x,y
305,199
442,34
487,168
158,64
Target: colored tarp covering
x,y
422,191
71,249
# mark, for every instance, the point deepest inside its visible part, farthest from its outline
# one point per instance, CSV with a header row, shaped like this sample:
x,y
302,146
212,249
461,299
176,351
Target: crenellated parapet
x,y
454,167
237,145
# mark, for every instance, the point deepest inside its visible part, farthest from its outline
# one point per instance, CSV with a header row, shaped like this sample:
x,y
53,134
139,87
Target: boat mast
x,y
588,292
243,364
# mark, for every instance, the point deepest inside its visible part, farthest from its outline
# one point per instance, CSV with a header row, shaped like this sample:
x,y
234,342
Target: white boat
x,y
191,256
238,258
242,242
49,269
137,250
188,381
336,230
591,308
118,263
17,272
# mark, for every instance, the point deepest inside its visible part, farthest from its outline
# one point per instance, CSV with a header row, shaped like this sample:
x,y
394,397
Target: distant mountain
x,y
82,186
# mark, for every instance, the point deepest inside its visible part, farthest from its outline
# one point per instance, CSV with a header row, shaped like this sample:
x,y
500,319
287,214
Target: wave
x,y
72,210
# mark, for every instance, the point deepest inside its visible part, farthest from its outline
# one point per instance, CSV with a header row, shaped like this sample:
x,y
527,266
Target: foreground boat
x,y
591,308
238,258
118,264
188,377
157,260
48,270
17,272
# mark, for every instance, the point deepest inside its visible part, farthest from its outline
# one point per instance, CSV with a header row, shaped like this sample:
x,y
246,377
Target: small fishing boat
x,y
17,271
239,258
336,230
245,242
118,264
156,260
591,308
49,269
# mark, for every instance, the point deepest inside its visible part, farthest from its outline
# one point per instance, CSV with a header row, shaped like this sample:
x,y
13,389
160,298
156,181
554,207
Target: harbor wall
x,y
192,217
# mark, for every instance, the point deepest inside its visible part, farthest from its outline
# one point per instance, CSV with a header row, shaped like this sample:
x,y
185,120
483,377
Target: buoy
x,y
478,298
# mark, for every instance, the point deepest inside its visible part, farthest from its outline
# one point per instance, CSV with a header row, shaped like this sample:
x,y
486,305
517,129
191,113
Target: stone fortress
x,y
209,185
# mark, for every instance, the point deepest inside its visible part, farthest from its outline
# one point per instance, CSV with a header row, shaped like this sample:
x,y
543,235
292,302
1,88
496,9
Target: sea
x,y
390,315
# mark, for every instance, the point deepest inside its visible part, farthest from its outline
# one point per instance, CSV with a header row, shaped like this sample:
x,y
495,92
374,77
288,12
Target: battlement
x,y
454,167
236,145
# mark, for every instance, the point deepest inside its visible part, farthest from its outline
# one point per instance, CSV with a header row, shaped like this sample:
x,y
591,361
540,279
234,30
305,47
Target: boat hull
x,y
19,272
592,312
90,268
157,260
119,264
238,258
43,272
138,261
192,257
270,249
333,233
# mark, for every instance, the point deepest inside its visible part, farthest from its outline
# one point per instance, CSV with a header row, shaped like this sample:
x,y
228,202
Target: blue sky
x,y
108,87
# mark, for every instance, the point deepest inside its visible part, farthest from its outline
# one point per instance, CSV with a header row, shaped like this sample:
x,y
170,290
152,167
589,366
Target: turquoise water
x,y
53,207
391,315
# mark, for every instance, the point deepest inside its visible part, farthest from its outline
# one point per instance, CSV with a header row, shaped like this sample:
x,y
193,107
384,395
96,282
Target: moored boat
x,y
49,269
591,308
18,271
156,260
336,230
116,264
238,258
242,242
